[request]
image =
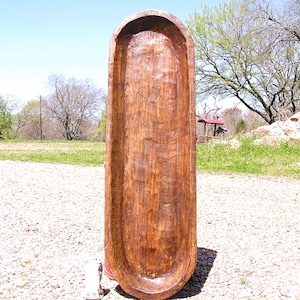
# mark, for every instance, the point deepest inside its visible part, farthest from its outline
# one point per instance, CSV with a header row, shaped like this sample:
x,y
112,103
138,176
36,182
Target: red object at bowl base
x,y
108,271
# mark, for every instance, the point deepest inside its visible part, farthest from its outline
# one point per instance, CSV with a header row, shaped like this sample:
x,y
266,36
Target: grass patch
x,y
65,152
282,159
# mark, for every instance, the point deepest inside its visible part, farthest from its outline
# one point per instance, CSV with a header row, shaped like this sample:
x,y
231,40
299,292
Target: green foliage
x,y
6,119
27,121
100,134
241,126
281,159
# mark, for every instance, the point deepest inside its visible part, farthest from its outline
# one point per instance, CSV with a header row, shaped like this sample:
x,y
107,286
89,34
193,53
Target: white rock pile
x,y
288,130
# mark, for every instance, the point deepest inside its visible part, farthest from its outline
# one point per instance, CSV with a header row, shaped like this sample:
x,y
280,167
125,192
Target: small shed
x,y
210,128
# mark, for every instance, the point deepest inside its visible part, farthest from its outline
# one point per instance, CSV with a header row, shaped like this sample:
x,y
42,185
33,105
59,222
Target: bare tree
x,y
73,103
285,21
239,53
232,116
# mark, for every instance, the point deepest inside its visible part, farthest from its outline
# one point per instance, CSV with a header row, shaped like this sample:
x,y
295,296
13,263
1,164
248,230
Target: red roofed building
x,y
210,127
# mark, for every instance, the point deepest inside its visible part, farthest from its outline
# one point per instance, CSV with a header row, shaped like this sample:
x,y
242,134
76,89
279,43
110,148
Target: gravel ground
x,y
52,224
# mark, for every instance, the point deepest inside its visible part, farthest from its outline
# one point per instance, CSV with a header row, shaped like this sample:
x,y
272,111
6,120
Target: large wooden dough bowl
x,y
150,212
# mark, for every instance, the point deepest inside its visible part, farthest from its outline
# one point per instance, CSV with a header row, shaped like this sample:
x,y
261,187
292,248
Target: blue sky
x,y
41,37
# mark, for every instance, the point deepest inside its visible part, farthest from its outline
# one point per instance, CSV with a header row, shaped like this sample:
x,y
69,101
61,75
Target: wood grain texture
x,y
150,212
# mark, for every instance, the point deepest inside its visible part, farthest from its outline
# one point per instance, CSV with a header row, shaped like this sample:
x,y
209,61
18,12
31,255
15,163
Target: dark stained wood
x,y
150,212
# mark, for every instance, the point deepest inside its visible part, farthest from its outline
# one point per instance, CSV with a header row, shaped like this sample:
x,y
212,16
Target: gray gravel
x,y
52,224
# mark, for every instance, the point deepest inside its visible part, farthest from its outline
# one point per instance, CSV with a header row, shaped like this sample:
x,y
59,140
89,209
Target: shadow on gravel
x,y
205,261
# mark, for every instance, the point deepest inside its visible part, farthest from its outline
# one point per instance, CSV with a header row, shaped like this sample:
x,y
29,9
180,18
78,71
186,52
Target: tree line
x,y
72,110
247,50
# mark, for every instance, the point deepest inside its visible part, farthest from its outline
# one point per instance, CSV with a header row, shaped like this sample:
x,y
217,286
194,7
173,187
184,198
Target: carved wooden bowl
x,y
150,213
